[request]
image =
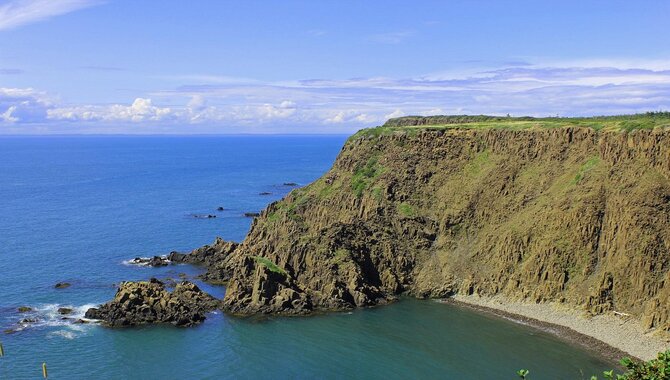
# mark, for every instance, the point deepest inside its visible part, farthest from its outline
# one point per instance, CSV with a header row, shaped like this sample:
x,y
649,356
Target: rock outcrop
x,y
572,214
149,302
208,255
155,261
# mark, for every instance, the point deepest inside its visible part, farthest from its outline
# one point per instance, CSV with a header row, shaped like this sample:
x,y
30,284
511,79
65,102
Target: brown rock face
x,y
139,303
207,255
565,214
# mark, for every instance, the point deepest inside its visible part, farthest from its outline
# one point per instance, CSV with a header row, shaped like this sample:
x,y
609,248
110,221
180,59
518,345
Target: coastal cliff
x,y
432,207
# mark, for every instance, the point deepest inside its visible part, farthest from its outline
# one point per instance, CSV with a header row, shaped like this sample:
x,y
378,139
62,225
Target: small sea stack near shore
x,y
148,302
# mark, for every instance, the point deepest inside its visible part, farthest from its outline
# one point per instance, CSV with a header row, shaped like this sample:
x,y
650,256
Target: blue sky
x,y
122,66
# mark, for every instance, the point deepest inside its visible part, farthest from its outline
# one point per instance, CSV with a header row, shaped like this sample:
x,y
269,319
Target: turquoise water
x,y
74,208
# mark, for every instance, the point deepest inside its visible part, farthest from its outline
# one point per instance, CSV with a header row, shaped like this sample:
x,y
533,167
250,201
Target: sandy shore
x,y
612,336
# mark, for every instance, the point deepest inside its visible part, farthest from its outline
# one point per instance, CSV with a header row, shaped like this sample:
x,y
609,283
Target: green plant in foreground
x,y
655,369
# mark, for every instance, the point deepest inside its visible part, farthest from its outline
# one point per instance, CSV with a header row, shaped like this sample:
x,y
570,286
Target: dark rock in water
x,y
220,208
64,311
251,214
156,261
293,184
62,285
177,257
208,256
146,302
265,193
81,322
204,216
24,309
10,331
28,320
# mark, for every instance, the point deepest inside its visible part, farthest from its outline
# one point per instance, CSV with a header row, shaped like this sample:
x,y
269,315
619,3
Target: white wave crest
x,y
47,316
143,261
63,334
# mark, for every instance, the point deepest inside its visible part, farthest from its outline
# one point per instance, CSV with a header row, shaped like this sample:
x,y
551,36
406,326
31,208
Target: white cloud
x,y
197,102
350,116
141,110
15,13
396,113
23,105
433,112
7,115
346,105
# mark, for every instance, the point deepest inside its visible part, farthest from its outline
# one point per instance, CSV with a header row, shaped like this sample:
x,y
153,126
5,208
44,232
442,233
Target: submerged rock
x,y
220,208
24,309
64,311
62,285
292,184
265,193
251,214
143,302
203,216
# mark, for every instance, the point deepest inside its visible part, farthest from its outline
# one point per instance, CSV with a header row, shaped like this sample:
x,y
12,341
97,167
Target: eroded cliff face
x,y
569,215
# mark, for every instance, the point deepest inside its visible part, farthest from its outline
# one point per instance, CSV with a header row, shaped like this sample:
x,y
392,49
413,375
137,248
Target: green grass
x,y
477,164
406,209
272,267
377,193
588,165
412,124
364,175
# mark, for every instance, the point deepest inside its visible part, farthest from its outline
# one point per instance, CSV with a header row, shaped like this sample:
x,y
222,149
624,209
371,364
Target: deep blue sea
x,y
74,208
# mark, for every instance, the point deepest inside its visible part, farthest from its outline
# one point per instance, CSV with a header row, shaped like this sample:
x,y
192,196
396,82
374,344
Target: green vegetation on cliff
x,y
272,267
576,212
410,124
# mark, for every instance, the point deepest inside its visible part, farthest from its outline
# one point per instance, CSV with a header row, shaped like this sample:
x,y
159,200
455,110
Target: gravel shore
x,y
612,336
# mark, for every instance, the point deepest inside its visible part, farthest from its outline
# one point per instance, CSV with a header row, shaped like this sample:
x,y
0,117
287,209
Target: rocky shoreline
x,y
570,216
612,337
149,302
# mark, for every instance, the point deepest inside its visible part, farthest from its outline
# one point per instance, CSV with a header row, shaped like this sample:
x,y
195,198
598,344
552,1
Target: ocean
x,y
75,209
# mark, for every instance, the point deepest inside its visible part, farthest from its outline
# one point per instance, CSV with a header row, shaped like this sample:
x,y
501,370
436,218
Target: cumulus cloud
x,y
7,115
23,105
327,105
396,113
141,110
15,13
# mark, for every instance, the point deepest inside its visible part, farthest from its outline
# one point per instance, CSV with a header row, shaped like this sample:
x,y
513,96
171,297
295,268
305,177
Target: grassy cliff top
x,y
647,120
